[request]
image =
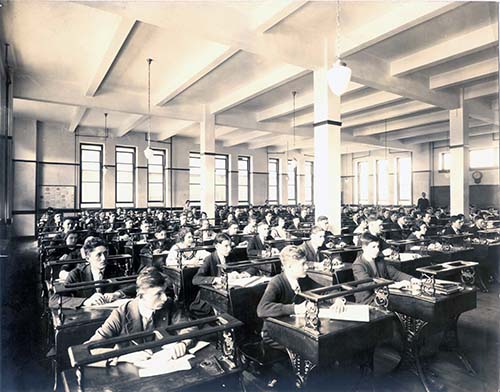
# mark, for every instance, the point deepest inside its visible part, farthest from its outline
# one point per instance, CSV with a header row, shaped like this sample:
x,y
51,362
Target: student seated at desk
x,y
68,225
160,245
375,229
312,247
479,224
205,233
69,252
256,245
361,228
280,297
369,264
236,239
185,240
95,252
278,232
150,309
251,227
455,227
419,230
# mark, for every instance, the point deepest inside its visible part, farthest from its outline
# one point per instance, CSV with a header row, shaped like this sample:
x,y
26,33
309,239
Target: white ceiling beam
x,y
481,111
453,48
302,101
272,80
484,130
369,101
267,141
306,119
222,131
373,141
280,16
115,46
129,125
392,23
465,74
190,81
418,131
398,124
399,110
168,134
63,93
374,72
247,121
240,139
481,90
78,114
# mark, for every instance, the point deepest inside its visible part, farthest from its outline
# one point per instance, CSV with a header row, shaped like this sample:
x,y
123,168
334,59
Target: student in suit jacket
x,y
256,244
150,309
455,227
312,247
95,252
369,264
280,297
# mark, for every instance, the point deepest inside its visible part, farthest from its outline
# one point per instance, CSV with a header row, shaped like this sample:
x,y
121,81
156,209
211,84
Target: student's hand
x,y
405,284
179,350
387,252
95,299
244,274
63,257
156,251
339,305
111,297
300,308
233,275
274,252
217,281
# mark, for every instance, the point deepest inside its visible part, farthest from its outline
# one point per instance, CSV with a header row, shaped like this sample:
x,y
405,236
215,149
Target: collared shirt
x,y
97,275
294,283
146,316
373,265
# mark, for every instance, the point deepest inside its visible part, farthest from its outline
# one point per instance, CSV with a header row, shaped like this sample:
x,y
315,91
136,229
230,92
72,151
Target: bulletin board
x,y
57,196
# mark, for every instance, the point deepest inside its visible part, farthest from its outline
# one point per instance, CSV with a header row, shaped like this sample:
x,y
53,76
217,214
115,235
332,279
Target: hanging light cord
x,y
294,93
338,30
106,125
149,101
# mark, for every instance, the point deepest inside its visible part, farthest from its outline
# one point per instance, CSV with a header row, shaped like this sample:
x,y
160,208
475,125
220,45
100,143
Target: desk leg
x,y
302,367
411,354
451,343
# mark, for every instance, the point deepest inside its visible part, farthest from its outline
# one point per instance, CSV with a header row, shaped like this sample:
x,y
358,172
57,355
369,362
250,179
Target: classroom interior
x,y
294,108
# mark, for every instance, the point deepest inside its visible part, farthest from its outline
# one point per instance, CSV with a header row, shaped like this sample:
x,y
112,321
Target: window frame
x,y
225,157
133,151
493,166
311,175
276,162
246,159
441,161
91,205
398,182
360,200
378,187
294,200
162,153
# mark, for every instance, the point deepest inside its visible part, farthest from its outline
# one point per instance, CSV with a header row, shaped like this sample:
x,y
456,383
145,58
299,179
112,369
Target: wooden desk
x,y
410,266
182,279
347,254
336,340
442,256
422,315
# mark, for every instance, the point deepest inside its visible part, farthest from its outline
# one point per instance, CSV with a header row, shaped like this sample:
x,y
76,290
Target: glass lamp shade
x,y
149,153
339,77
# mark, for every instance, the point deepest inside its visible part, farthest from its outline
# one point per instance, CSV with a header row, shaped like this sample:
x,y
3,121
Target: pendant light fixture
x,y
294,160
339,75
148,152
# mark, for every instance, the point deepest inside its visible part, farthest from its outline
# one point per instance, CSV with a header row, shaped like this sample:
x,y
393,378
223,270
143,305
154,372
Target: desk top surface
x,y
77,317
125,376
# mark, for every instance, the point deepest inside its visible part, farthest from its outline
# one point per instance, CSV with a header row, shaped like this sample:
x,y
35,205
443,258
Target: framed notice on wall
x,y
57,196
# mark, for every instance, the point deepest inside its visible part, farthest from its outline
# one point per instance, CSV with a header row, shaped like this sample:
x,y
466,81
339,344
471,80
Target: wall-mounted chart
x,y
57,196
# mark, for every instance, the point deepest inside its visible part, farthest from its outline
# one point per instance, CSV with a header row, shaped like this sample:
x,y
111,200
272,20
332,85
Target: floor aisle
x,y
24,367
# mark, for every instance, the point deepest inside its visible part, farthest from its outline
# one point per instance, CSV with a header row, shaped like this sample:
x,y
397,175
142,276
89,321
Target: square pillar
x,y
207,163
327,151
459,165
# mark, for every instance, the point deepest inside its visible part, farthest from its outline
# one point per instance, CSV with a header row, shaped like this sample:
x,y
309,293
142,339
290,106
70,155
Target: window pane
x,y
194,192
363,182
124,157
124,177
444,161
220,193
243,180
155,178
220,179
92,156
155,192
194,179
124,167
220,163
155,169
382,182
273,193
124,193
91,192
91,176
157,160
242,193
91,166
404,180
483,158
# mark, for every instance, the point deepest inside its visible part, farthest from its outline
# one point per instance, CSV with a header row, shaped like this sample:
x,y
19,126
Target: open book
x,y
354,312
248,282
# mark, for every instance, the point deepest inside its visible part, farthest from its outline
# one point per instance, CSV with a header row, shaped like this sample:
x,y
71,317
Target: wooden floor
x,y
24,367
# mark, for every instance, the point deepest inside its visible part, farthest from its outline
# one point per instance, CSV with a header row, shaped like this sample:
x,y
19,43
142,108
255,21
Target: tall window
x,y
156,177
309,181
273,188
194,177
125,176
292,182
363,182
404,180
221,171
244,179
90,176
484,158
444,161
383,182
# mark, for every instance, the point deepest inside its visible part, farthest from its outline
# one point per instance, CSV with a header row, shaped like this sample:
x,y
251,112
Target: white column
x,y
207,162
459,161
327,151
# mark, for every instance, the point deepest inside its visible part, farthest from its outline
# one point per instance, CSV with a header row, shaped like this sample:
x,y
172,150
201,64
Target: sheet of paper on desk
x,y
407,256
114,304
157,366
248,282
351,313
398,285
198,346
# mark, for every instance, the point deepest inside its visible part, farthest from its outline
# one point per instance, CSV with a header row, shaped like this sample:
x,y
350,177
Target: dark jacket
x,y
362,270
127,319
255,246
279,298
311,254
